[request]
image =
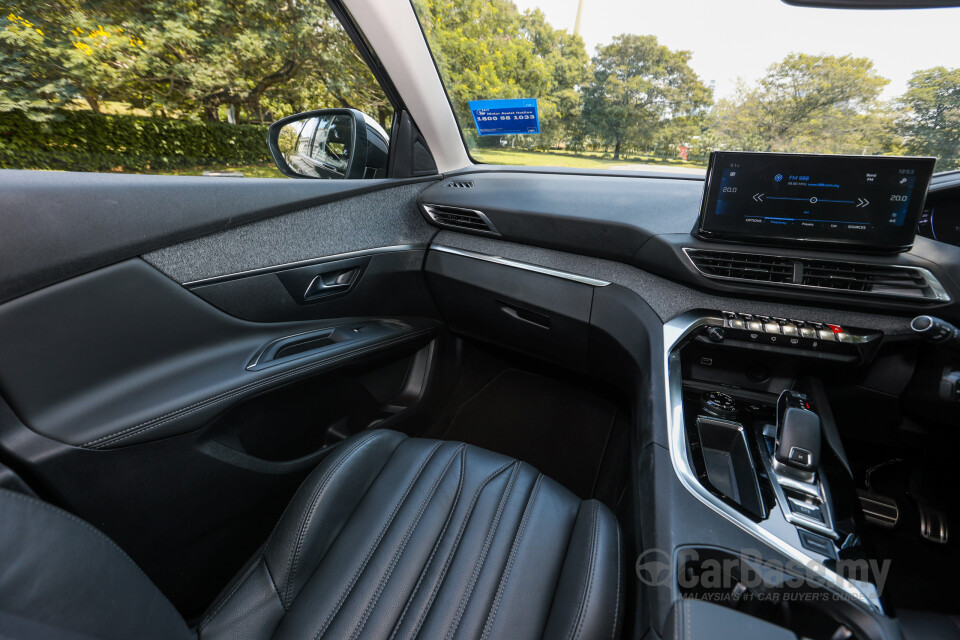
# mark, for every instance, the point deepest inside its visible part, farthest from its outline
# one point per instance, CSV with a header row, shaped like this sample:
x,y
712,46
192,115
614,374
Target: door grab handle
x,y
330,282
318,282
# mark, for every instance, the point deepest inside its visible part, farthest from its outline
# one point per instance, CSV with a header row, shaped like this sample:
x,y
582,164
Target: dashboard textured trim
x,y
668,298
304,263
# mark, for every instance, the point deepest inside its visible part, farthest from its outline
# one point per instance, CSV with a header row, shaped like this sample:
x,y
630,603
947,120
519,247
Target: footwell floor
x,y
569,433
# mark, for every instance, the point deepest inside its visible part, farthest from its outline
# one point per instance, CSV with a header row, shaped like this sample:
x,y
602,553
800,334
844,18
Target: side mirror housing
x,y
340,144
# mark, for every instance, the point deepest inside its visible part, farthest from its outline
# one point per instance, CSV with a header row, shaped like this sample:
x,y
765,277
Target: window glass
x,y
171,87
622,84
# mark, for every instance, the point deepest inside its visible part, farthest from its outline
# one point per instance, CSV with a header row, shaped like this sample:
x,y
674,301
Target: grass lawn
x,y
585,159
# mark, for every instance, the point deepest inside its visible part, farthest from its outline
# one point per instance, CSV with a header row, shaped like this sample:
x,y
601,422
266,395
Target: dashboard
x,y
650,221
940,219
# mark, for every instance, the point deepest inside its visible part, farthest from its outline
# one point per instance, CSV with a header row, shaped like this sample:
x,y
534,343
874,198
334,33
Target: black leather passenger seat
x,y
390,537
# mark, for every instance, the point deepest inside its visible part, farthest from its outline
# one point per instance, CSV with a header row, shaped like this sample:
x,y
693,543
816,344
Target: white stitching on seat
x,y
588,587
421,618
308,514
478,567
616,607
436,545
383,531
368,611
495,607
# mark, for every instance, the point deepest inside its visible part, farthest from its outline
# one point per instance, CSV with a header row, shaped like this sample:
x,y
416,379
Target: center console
x,y
760,449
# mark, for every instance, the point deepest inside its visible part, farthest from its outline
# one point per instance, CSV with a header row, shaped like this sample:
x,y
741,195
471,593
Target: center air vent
x,y
459,218
742,266
897,281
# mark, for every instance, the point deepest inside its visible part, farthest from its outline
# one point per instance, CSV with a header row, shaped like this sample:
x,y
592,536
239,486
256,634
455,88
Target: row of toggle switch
x,y
782,326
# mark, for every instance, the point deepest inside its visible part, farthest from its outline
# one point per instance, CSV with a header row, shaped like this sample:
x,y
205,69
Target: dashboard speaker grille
x,y
459,218
897,281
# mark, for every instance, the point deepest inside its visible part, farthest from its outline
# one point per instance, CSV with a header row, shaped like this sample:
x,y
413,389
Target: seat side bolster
x,y
312,520
588,602
250,608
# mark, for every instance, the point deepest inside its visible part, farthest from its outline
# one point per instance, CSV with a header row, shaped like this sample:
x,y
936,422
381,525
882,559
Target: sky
x,y
741,38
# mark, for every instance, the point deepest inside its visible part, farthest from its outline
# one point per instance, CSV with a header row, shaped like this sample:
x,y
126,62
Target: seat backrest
x,y
61,572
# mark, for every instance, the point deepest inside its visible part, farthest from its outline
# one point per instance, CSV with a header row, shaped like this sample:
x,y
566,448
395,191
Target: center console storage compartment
x,y
729,464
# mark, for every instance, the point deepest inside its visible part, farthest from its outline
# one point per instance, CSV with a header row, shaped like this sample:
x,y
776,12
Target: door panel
x,y
191,509
59,224
123,356
180,419
391,284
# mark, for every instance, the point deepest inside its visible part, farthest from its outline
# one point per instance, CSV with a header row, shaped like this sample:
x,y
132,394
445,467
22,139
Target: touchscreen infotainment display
x,y
869,202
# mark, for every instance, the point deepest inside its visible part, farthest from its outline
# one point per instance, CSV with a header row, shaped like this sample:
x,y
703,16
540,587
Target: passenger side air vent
x,y
896,281
901,281
460,184
459,218
742,266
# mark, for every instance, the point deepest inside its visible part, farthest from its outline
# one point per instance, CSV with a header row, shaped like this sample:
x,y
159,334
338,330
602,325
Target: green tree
x,y
488,49
184,58
565,55
931,123
638,87
35,81
808,103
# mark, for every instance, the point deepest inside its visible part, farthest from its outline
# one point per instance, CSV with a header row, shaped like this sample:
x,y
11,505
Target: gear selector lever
x,y
796,451
798,439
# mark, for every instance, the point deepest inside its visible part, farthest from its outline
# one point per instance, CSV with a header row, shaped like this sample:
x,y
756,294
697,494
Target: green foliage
x,y
191,62
808,103
84,141
264,58
487,49
33,82
931,121
638,87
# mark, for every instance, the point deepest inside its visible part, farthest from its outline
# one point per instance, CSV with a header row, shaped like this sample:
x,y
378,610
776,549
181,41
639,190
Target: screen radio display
x,y
870,202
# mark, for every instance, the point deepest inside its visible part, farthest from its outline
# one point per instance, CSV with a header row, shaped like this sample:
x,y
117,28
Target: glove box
x,y
540,314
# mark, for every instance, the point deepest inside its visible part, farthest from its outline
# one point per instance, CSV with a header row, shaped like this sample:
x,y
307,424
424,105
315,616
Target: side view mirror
x,y
329,143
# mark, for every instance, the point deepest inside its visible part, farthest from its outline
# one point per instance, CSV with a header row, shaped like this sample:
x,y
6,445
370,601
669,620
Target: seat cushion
x,y
396,537
62,578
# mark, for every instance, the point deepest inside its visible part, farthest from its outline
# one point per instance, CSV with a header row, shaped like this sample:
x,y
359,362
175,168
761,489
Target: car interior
x,y
450,399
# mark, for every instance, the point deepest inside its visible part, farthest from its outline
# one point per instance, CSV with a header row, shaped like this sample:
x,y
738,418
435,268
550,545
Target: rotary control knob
x,y
718,405
715,334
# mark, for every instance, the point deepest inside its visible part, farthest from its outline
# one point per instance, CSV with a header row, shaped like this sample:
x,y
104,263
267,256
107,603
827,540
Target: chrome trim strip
x,y
429,210
778,481
526,266
307,262
940,294
674,332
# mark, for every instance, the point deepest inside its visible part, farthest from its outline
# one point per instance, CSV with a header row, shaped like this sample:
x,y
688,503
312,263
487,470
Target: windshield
x,y
634,84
